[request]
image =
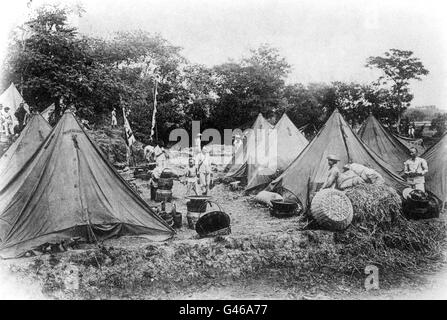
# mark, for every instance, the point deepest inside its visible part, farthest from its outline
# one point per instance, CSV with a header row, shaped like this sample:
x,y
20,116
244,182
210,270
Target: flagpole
x,y
155,109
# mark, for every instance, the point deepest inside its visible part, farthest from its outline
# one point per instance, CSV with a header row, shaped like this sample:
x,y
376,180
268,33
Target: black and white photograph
x,y
223,155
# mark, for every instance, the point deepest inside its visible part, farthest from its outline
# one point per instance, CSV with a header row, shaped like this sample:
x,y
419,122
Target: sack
x,y
348,180
265,197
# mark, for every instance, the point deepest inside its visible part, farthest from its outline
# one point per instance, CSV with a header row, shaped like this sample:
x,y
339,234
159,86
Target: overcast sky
x,y
323,40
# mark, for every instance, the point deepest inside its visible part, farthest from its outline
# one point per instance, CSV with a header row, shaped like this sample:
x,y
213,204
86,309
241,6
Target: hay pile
x,y
374,204
381,236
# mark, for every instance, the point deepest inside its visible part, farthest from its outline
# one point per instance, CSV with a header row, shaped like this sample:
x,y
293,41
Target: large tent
x,y
11,98
24,148
310,168
290,141
384,144
436,178
285,143
69,190
237,167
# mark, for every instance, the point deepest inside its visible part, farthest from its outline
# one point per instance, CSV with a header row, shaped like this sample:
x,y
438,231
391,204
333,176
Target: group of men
x,y
197,177
415,170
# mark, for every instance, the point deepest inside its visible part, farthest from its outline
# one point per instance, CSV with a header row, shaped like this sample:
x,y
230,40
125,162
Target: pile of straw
x,y
372,203
381,236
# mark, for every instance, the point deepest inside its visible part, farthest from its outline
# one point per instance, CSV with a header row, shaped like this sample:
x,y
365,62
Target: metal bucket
x,y
192,218
163,195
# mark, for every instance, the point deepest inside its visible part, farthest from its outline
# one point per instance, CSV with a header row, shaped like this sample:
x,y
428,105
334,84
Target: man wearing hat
x,y
333,173
415,169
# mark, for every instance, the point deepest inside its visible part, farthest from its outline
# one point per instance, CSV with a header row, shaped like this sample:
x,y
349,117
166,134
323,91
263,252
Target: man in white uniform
x,y
204,170
415,169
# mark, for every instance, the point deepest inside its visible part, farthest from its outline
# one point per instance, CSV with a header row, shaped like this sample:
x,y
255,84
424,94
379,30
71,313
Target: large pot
x,y
165,183
168,173
284,205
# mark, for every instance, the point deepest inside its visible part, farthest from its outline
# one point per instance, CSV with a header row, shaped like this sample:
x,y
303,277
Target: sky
x,y
324,41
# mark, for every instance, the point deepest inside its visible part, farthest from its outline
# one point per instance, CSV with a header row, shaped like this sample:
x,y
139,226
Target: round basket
x,y
213,223
332,209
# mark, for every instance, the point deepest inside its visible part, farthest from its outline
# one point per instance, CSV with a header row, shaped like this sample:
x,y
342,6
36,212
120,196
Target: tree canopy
x,y
56,64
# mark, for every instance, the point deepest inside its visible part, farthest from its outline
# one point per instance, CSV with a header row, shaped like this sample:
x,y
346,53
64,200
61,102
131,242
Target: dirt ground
x,y
249,218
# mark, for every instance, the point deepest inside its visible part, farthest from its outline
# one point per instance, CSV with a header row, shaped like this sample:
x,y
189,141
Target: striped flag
x,y
130,139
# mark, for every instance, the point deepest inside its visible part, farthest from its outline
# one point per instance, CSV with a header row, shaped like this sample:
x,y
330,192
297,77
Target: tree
x,y
399,67
414,115
248,87
439,123
55,64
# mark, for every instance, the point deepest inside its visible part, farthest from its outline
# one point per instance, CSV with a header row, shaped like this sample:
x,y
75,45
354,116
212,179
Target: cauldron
x,y
284,205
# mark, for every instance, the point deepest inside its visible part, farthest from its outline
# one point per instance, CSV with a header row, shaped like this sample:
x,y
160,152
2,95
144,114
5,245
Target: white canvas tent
x,y
11,98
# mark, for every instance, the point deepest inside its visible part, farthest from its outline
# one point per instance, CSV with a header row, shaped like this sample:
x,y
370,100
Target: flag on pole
x,y
130,139
155,107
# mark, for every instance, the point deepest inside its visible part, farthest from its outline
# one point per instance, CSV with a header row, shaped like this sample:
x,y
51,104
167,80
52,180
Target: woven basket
x,y
332,209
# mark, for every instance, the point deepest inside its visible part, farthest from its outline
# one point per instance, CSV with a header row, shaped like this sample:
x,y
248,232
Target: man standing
x,y
204,170
415,169
149,154
114,121
237,142
2,120
197,143
9,122
333,173
191,178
